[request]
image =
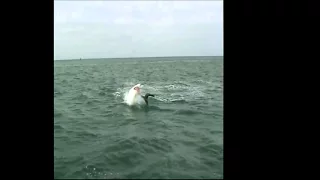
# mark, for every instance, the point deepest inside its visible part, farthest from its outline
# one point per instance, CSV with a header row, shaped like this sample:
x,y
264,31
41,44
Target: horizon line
x,y
134,57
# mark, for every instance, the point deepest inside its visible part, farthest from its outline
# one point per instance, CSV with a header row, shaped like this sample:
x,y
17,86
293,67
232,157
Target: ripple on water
x,y
186,112
97,136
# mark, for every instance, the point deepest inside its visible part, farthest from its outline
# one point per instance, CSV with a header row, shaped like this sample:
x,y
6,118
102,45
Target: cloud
x,y
137,28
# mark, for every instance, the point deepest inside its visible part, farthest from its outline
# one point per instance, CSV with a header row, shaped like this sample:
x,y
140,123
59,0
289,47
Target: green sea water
x,y
179,135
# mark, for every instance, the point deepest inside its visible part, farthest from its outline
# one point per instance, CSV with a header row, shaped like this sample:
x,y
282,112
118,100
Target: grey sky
x,y
98,29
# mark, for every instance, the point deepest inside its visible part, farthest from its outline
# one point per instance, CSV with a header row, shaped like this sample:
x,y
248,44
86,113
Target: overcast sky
x,y
103,29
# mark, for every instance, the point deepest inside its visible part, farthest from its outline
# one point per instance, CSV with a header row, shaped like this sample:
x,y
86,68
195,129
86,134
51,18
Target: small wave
x,y
101,93
92,101
211,148
83,96
57,127
57,114
178,101
57,92
186,112
88,134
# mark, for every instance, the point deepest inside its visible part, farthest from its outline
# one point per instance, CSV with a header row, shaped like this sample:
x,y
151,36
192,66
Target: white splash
x,y
133,96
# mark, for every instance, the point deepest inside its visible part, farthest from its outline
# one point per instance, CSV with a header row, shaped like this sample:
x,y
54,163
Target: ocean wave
x,y
178,135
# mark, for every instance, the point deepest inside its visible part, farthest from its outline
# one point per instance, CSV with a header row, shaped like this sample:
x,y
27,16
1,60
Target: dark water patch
x,y
126,121
69,160
109,90
186,112
57,127
87,135
179,101
189,143
162,145
64,81
78,111
102,93
67,73
215,114
210,149
195,74
57,114
81,96
188,133
129,154
92,101
216,132
105,113
56,94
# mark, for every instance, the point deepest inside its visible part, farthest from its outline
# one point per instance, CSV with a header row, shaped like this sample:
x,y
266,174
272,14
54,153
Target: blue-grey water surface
x,y
179,135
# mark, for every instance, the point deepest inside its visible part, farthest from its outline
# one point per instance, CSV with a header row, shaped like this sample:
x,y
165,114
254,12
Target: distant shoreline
x,y
120,58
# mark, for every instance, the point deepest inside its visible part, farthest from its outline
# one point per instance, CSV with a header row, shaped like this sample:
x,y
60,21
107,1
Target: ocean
x,y
178,135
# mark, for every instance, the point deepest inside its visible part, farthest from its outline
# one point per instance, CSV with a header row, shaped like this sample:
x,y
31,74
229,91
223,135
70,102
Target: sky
x,y
111,29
